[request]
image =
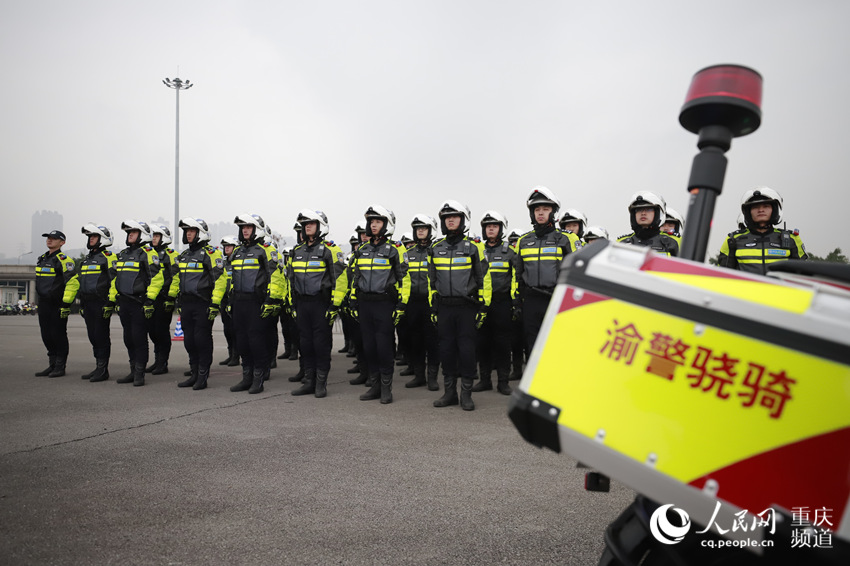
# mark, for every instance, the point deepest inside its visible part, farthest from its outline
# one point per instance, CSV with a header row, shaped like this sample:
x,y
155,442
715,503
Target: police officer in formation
x,y
380,289
538,259
258,291
202,282
423,349
56,284
759,242
460,296
228,244
495,334
647,213
94,296
318,286
137,281
160,325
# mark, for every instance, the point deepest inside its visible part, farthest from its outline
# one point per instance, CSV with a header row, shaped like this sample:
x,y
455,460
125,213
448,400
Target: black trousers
x,y
533,310
314,332
54,329
252,332
456,329
160,329
97,326
136,328
378,335
422,333
494,338
197,331
227,324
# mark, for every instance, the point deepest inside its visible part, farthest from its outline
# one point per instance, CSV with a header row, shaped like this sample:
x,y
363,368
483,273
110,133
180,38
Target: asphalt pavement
x,y
101,473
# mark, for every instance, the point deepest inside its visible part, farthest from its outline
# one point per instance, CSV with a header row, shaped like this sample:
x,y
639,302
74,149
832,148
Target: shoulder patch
x,y
62,256
107,253
70,265
155,259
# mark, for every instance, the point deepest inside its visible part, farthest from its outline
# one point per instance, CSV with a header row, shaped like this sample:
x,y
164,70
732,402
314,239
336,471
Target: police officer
x,y
202,282
594,233
160,326
380,289
517,334
94,295
228,244
460,296
136,283
319,284
258,288
647,213
538,259
56,283
495,335
423,341
759,243
573,221
674,224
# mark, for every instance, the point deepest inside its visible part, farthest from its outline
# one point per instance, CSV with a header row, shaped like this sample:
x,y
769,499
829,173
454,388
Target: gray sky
x,y
335,105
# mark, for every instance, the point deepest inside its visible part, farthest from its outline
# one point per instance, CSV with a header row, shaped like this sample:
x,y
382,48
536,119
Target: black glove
x,y
148,308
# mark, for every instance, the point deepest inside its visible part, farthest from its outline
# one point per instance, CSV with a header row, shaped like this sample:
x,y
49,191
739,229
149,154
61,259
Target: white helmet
x,y
514,236
542,195
454,208
595,233
646,199
229,241
573,215
424,221
674,216
407,238
354,239
144,230
761,194
305,215
360,228
92,229
198,223
493,217
254,220
385,214
164,233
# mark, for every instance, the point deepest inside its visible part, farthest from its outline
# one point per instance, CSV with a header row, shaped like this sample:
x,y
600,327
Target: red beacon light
x,y
723,95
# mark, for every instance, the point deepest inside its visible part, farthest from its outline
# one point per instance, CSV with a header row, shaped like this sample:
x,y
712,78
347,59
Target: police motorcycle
x,y
722,398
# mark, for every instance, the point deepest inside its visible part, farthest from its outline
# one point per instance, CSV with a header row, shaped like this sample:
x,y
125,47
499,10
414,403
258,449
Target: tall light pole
x,y
177,85
22,255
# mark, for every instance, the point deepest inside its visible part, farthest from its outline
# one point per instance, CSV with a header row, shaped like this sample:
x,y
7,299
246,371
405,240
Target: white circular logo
x,y
665,532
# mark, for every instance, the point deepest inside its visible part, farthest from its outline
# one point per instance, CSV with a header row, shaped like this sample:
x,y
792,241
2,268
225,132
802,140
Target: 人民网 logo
x,y
666,532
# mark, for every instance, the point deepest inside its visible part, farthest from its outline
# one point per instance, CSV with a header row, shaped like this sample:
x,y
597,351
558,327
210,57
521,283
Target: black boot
x,y
89,374
46,372
152,367
193,378
345,348
298,377
408,370
360,379
286,353
419,379
433,370
321,384
229,357
516,373
352,351
187,373
129,377
274,363
294,355
259,378
139,375
203,375
374,392
247,379
466,394
484,384
234,361
450,395
386,389
160,365
102,371
59,368
504,377
309,385
354,369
